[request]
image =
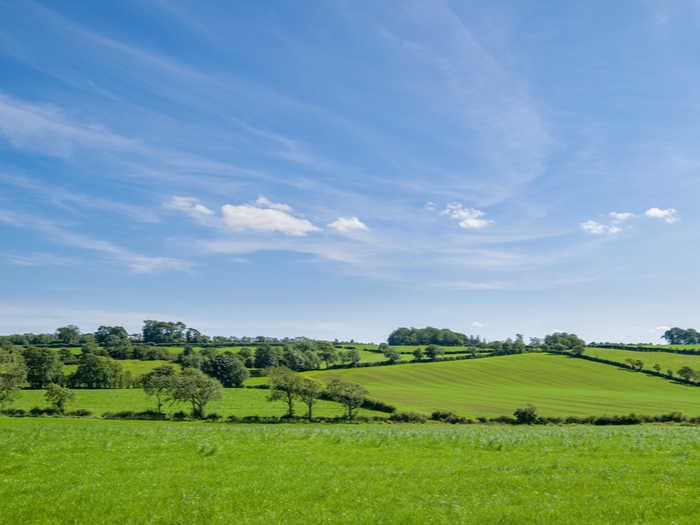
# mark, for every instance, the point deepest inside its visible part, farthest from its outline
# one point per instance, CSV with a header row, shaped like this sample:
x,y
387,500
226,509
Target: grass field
x,y
61,471
235,401
135,366
556,385
667,360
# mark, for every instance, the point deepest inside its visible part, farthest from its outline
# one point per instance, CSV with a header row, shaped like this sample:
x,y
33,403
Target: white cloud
x,y
250,217
477,324
348,225
190,206
662,328
669,215
469,218
597,228
264,202
621,216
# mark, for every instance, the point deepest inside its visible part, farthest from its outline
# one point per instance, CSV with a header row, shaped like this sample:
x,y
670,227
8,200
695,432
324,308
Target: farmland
x,y
240,402
666,360
556,385
208,473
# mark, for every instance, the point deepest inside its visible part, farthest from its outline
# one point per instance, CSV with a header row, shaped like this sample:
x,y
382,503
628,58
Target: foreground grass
x,y
557,385
235,401
57,471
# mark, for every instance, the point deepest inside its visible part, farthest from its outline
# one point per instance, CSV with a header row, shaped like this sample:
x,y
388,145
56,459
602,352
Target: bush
x,y
179,416
213,417
80,412
407,417
526,415
130,414
446,416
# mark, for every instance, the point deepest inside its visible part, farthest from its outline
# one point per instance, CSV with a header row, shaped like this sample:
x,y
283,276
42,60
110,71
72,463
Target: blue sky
x,y
340,169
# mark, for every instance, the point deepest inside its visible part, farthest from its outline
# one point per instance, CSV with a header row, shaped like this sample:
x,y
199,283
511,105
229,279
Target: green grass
x,y
493,386
69,471
667,360
235,401
135,366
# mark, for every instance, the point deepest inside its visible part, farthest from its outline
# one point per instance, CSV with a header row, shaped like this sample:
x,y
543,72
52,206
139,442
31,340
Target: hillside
x,y
556,385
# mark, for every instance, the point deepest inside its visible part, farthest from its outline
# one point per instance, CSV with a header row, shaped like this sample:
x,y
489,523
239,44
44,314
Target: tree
x,y
195,387
352,357
686,373
13,373
227,368
309,390
349,394
657,368
59,396
188,358
44,366
68,335
103,332
163,331
327,353
434,351
158,383
526,415
267,356
284,385
392,355
96,371
418,354
680,336
564,342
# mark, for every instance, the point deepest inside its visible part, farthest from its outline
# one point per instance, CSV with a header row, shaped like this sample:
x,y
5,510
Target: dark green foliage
x,y
284,385
96,371
188,358
686,373
433,352
680,336
526,415
350,357
430,336
104,332
44,366
392,355
267,356
68,335
163,332
564,342
407,417
227,368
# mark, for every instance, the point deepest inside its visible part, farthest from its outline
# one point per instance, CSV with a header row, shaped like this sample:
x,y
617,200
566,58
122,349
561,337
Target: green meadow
x,y
240,402
115,472
667,360
557,385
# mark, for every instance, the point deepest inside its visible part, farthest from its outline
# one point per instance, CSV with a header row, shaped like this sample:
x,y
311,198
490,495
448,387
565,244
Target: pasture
x,y
240,402
57,471
557,385
667,360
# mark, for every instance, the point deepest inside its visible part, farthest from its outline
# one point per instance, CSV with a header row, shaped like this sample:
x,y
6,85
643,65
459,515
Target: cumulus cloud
x,y
468,218
623,216
348,225
669,215
190,206
265,219
597,228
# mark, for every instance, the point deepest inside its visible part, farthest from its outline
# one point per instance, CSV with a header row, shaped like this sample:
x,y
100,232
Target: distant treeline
x,y
431,336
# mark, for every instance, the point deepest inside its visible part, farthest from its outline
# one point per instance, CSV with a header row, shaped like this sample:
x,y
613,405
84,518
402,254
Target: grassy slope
x,y
667,360
556,385
135,366
57,471
235,401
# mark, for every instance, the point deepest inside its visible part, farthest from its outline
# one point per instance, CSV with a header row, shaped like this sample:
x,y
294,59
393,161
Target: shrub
x,y
179,416
407,417
80,412
526,415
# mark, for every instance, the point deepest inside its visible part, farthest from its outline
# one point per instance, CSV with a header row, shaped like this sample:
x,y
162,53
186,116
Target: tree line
x,y
680,336
429,335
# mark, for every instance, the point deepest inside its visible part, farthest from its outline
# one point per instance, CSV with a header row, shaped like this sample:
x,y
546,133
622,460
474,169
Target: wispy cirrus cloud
x,y
136,262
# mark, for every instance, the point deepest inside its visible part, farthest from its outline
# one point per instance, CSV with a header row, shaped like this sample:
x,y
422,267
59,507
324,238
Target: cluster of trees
x,y
430,336
680,336
287,385
304,355
564,342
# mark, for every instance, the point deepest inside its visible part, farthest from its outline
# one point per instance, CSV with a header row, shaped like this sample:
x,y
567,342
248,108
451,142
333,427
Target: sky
x,y
339,169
